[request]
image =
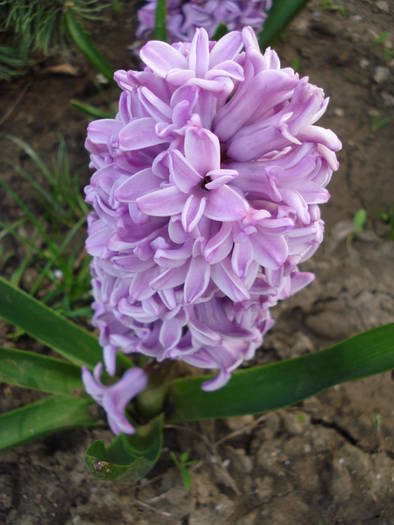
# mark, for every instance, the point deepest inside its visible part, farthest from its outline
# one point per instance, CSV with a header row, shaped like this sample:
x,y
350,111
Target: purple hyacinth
x,y
206,198
114,398
184,17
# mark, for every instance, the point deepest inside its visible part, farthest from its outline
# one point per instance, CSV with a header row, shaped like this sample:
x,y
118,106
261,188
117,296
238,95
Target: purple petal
x,y
219,178
202,150
197,279
225,204
226,280
93,388
139,134
117,397
220,245
161,57
222,377
242,256
142,182
170,333
192,212
183,174
270,250
170,278
226,48
162,203
199,53
323,136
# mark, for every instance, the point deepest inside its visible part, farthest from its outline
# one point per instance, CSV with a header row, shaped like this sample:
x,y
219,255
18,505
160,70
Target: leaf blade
x,y
51,414
160,31
276,385
281,13
127,458
39,372
69,340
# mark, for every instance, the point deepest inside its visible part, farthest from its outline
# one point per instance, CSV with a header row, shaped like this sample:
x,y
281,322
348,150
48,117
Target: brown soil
x,y
330,459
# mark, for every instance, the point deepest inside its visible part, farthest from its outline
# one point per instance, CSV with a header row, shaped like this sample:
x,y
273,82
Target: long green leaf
x,y
32,370
281,14
275,385
160,31
51,414
128,458
68,339
86,46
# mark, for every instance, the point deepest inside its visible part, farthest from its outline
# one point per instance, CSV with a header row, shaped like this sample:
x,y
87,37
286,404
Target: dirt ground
x,y
330,459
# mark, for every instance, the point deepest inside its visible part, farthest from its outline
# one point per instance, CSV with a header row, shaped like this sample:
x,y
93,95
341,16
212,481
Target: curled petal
x,y
197,279
225,204
183,174
226,280
139,184
114,398
139,134
170,333
162,203
202,150
161,57
270,250
192,212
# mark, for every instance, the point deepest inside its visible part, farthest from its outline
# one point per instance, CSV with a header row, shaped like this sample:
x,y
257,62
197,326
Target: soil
x,y
328,460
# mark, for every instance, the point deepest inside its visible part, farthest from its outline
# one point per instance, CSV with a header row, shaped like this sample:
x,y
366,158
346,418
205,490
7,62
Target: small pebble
x,y
381,74
383,5
364,63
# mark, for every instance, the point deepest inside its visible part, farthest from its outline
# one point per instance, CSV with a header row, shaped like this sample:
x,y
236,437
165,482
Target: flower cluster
x,y
183,17
206,198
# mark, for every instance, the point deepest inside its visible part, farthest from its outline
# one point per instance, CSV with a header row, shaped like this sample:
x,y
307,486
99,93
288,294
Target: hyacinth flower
x,y
114,398
184,17
206,197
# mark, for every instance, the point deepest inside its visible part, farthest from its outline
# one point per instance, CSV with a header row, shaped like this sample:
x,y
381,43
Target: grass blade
x,y
90,110
33,155
276,385
86,46
39,372
51,414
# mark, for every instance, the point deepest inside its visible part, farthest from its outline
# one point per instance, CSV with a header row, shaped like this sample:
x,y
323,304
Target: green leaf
x,y
68,339
276,385
160,32
281,14
359,220
221,30
51,414
85,45
31,370
90,110
127,458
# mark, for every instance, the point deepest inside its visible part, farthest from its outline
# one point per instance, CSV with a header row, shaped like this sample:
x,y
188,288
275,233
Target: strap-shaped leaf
x,y
39,321
31,370
127,458
282,13
275,385
160,32
85,45
51,414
